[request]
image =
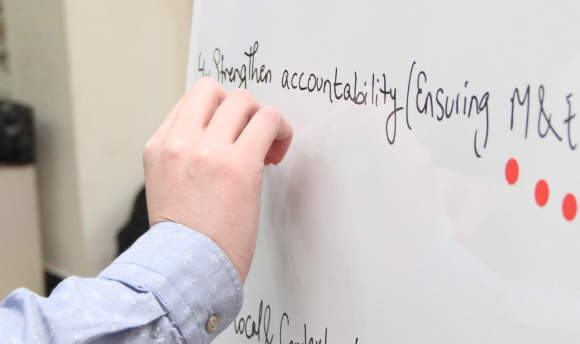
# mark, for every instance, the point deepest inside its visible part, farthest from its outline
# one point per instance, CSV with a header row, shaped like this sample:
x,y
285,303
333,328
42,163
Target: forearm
x,y
165,287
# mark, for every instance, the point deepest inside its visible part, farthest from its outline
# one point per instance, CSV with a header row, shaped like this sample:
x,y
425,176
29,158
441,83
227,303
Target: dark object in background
x,y
16,133
137,225
50,281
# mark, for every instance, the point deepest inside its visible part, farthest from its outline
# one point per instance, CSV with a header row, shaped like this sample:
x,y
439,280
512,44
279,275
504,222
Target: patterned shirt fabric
x,y
164,289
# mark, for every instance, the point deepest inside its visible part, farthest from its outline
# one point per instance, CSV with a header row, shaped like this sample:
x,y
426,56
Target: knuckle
x,y
241,93
207,81
271,114
245,97
208,84
201,157
173,150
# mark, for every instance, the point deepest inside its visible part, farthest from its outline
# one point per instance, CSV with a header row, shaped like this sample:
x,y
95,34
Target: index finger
x,y
196,110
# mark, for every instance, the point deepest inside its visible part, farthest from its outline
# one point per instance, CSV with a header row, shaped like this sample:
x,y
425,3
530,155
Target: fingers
x,y
266,137
232,116
196,111
207,112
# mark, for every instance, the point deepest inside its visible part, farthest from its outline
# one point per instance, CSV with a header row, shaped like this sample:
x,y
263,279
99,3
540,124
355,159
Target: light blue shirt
x,y
164,289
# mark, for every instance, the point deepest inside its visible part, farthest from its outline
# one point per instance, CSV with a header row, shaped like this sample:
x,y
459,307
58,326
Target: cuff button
x,y
212,324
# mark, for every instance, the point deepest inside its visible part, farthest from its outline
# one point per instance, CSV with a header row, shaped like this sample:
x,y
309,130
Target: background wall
x,y
101,76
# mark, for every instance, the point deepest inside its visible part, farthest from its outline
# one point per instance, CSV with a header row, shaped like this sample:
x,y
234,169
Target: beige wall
x,y
20,246
101,75
40,77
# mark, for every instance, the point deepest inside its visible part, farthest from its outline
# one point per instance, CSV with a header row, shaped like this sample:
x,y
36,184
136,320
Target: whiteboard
x,y
430,192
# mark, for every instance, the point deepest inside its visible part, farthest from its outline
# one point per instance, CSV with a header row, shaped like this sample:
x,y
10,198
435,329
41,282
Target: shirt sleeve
x,y
174,285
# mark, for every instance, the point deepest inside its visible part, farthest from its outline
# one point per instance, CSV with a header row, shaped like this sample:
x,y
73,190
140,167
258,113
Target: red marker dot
x,y
542,192
569,207
512,171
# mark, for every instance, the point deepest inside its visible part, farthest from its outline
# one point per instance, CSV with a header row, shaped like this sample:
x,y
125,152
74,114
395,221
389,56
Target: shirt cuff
x,y
193,279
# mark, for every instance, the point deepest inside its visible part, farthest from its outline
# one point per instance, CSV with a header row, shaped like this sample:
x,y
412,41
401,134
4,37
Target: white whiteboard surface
x,y
421,240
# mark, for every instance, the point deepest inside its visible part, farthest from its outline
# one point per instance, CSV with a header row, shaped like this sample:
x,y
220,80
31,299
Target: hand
x,y
204,165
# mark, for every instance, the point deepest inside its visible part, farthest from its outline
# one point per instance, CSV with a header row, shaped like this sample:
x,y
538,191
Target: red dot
x,y
569,207
542,192
512,171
